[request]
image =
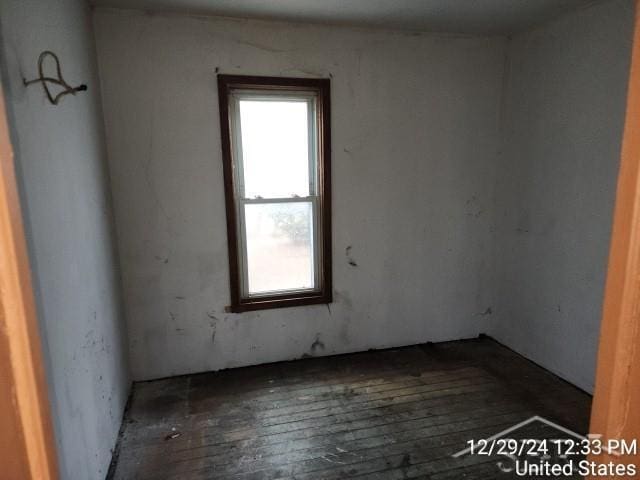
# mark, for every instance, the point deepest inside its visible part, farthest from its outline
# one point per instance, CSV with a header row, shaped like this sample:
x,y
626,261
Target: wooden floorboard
x,y
392,414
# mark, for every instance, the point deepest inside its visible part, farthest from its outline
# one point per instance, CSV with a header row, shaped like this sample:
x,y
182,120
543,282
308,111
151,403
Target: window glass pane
x,y
279,246
275,148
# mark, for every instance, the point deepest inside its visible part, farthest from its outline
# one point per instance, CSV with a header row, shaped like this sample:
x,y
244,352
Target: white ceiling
x,y
454,16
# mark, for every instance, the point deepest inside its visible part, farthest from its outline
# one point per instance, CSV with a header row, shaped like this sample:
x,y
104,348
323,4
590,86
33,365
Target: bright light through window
x,y
275,148
276,153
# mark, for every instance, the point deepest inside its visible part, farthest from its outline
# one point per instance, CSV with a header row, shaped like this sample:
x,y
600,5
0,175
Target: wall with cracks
x,y
415,131
473,185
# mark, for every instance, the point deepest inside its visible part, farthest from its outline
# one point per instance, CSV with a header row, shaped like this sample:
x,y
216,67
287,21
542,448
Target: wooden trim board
x,y
616,404
321,86
27,448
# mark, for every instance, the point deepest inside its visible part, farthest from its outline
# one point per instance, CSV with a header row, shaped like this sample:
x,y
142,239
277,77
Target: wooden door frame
x,y
27,447
615,412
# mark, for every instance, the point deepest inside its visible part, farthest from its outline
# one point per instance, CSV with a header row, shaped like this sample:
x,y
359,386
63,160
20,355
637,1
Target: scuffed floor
x,y
392,414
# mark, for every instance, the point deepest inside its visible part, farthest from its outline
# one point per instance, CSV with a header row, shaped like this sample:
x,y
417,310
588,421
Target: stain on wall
x,y
61,166
565,101
415,122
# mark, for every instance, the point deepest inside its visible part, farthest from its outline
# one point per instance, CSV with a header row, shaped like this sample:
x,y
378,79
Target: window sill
x,y
279,302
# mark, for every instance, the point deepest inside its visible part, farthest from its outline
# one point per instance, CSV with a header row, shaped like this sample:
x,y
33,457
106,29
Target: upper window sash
x,y
310,99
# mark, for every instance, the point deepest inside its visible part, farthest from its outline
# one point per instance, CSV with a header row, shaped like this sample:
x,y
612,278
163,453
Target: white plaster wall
x,y
60,157
414,128
565,97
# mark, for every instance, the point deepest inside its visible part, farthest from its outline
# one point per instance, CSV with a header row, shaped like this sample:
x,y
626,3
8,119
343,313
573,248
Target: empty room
x,y
319,240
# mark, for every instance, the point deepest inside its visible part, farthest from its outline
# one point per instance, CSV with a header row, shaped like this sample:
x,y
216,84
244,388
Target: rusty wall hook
x,y
68,89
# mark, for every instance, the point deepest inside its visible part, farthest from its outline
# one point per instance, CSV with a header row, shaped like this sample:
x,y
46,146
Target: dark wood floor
x,y
390,414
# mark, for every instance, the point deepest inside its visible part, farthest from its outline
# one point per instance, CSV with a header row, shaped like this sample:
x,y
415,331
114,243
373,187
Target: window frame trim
x,y
320,87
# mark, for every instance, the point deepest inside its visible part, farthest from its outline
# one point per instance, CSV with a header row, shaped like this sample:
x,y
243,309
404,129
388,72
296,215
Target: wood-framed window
x,y
276,153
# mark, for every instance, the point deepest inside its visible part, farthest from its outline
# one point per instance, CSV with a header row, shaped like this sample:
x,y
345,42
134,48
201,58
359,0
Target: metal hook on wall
x,y
60,81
